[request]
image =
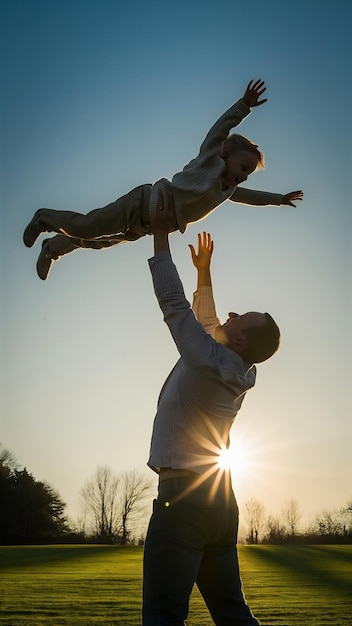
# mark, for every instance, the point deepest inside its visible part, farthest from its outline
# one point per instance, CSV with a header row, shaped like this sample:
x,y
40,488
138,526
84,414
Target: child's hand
x,y
293,195
201,260
253,92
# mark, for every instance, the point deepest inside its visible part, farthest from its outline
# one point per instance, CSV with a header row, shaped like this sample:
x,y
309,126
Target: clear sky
x,y
99,96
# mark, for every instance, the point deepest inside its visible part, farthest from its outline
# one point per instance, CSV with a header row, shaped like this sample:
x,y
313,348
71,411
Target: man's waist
x,y
215,488
167,473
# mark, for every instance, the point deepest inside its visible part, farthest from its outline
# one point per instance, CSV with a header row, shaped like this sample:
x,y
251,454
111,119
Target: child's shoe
x,y
45,260
33,230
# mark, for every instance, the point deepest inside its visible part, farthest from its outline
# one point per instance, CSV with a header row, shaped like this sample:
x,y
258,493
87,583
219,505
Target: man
x,y
192,533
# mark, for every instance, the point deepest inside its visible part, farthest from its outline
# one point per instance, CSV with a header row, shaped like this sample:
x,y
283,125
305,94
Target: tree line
x,y
33,512
114,511
327,527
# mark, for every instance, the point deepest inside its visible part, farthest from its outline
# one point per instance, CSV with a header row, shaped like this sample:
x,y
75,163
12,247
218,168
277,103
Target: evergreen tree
x,y
31,511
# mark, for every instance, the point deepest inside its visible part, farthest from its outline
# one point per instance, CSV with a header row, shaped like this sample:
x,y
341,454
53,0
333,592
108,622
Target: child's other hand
x,y
201,260
253,93
293,195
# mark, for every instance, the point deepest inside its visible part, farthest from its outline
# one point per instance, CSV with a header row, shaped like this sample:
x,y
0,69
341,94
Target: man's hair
x,y
262,341
238,142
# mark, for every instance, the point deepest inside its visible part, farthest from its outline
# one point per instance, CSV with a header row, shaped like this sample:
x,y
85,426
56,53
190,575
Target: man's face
x,y
238,166
232,334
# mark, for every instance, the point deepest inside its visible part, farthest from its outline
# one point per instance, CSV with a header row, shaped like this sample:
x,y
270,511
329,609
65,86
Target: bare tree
x,y
135,488
254,516
329,523
292,515
346,513
275,530
100,497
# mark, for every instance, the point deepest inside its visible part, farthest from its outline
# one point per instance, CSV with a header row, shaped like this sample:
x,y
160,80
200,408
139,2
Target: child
x,y
224,161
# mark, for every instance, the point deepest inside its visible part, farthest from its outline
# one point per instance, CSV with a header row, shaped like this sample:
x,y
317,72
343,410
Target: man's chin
x,y
220,336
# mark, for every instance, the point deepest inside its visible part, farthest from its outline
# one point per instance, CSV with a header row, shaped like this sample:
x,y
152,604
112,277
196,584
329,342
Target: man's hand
x,y
253,93
202,258
165,217
293,195
163,222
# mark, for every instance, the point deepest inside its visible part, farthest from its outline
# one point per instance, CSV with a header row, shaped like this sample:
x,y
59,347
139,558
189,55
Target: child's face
x,y
238,166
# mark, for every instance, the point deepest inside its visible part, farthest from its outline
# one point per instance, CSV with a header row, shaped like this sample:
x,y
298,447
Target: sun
x,y
236,458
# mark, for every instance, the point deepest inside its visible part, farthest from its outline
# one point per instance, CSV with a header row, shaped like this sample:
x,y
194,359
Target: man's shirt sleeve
x,y
204,309
194,344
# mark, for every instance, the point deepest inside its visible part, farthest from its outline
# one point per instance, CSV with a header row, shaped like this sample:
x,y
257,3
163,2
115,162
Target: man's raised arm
x,y
203,300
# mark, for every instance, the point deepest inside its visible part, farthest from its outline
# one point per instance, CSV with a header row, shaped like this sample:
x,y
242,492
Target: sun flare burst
x,y
236,458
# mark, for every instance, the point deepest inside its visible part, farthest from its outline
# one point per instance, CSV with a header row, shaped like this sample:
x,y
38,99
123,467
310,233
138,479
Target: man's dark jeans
x,y
192,539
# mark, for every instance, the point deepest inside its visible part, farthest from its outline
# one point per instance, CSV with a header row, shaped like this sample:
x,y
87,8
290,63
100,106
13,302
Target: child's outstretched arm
x,y
250,196
288,198
233,117
265,198
253,93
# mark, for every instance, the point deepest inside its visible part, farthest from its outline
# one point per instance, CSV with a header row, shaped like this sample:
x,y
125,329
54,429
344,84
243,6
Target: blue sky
x,y
101,96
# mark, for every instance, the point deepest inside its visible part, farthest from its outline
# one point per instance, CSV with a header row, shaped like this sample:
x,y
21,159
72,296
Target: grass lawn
x,y
101,585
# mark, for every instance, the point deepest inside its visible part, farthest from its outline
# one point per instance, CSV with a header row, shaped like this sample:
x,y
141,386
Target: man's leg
x,y
219,578
183,523
128,213
170,567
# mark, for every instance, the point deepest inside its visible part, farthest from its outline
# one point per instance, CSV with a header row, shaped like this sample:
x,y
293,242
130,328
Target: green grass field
x,y
101,585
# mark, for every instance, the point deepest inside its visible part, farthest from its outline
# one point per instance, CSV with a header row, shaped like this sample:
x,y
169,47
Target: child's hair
x,y
238,142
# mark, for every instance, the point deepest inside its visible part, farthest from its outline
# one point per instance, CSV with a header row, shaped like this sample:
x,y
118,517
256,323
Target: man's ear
x,y
224,154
